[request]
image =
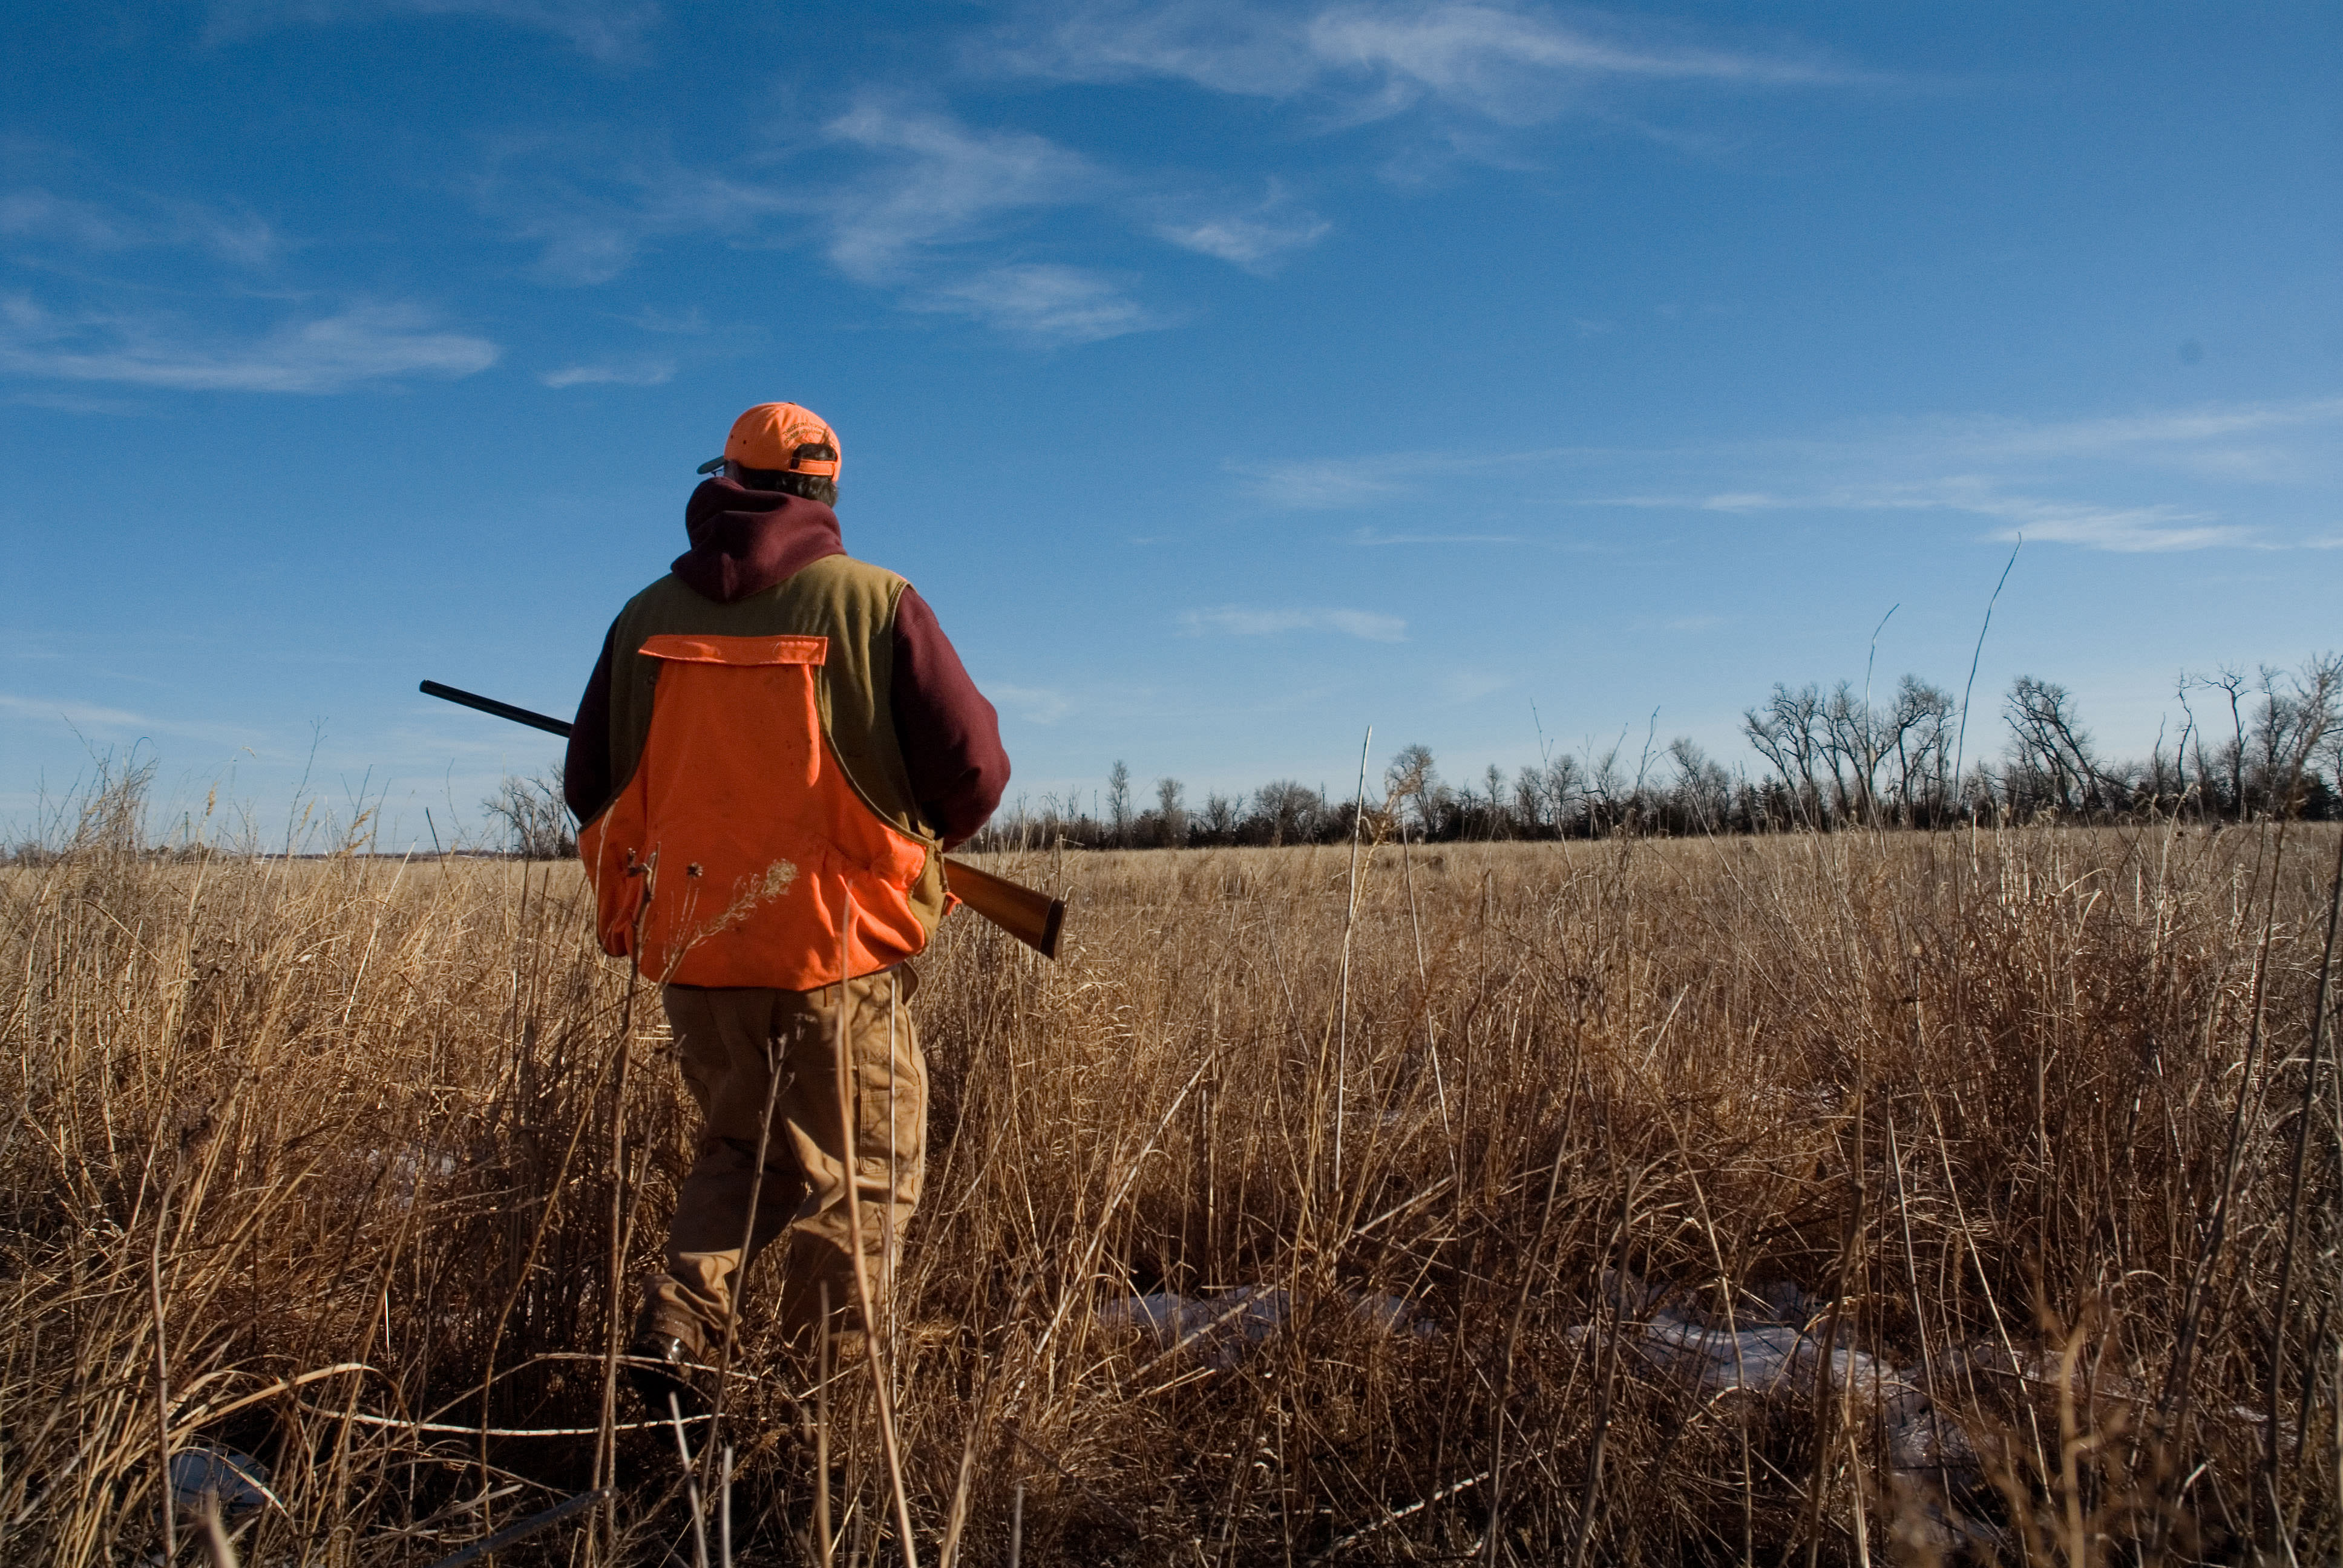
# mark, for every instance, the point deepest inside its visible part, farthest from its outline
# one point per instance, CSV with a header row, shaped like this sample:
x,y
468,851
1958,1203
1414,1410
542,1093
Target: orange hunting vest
x,y
740,853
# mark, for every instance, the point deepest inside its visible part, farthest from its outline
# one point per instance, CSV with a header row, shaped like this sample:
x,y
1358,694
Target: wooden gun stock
x,y
1034,919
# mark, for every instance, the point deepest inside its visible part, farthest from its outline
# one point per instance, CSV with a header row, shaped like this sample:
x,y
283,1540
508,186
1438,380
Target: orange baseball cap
x,y
780,437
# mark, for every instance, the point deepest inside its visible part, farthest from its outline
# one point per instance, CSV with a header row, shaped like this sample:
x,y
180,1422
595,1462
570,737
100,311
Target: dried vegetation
x,y
336,1163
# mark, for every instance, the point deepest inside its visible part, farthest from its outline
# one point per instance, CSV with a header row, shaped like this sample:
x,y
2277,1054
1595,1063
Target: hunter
x,y
776,745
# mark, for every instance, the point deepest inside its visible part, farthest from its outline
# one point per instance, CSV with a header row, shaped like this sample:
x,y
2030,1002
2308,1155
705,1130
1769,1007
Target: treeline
x,y
2251,745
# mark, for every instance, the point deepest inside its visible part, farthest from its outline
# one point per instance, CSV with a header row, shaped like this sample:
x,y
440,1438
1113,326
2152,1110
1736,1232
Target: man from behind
x,y
774,748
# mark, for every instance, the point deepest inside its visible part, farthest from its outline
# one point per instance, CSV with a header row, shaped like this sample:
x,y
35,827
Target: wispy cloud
x,y
936,181
625,373
918,209
1329,484
1033,704
593,209
691,322
1044,302
1513,64
2160,480
1370,537
2130,530
1471,685
87,717
607,30
37,216
1236,620
2127,529
1256,238
1314,484
79,403
356,346
2186,426
2250,441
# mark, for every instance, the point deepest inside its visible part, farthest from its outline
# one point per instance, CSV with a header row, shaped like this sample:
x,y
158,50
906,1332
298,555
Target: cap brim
x,y
710,466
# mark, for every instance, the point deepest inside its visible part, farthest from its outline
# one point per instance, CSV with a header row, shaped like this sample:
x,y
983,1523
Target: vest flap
x,y
737,651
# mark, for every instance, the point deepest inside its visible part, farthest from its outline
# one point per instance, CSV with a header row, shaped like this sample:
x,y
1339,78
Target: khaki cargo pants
x,y
733,1043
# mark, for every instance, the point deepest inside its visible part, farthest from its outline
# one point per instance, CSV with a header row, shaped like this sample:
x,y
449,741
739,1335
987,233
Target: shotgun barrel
x,y
1035,919
544,721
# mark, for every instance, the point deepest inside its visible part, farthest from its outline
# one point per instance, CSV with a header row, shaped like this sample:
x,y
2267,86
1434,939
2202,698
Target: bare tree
x,y
1117,803
2289,733
2231,685
1605,792
536,823
1529,801
1786,733
1560,784
1412,779
1170,813
1702,793
1918,732
1288,812
1220,818
2053,750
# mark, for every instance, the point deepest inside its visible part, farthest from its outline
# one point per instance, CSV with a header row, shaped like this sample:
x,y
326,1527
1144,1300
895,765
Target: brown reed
x,y
341,1163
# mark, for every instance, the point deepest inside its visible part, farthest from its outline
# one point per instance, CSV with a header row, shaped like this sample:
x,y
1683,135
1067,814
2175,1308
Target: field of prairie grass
x,y
1950,1197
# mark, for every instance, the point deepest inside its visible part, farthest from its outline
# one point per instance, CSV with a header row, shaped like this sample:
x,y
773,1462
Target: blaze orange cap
x,y
780,437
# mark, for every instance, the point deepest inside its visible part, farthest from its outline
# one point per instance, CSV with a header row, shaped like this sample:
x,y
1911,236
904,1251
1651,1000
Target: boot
x,y
658,1366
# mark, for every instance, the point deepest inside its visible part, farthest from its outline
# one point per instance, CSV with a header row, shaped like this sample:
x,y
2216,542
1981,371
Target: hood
x,y
744,541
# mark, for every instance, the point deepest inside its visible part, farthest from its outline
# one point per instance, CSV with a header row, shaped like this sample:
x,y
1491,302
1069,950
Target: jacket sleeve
x,y
586,770
950,734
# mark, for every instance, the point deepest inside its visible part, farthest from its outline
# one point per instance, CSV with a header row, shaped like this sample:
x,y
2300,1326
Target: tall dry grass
x,y
338,1164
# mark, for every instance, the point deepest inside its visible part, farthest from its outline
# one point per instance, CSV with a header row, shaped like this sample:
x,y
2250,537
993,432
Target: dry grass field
x,y
1846,1199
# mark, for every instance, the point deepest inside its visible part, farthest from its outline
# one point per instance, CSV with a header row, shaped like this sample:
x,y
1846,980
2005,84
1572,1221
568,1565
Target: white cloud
x,y
79,403
2154,527
687,323
635,373
939,183
1471,685
1235,620
1255,238
1506,63
1372,537
359,344
2160,480
607,30
87,715
2189,427
1228,47
593,206
1033,704
1248,242
1327,484
1045,302
2127,529
913,216
32,214
1321,484
2247,441
1514,64
2130,530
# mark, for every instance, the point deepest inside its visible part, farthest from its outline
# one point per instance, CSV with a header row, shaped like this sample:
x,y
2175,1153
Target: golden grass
x,y
2000,1105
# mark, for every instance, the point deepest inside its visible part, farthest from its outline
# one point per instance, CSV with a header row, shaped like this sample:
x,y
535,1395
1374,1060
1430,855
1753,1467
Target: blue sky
x,y
1229,377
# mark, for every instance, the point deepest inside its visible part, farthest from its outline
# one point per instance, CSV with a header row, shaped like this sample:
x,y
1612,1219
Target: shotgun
x,y
1034,919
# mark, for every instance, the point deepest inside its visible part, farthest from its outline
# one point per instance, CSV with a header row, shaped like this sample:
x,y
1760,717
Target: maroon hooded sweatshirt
x,y
745,541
